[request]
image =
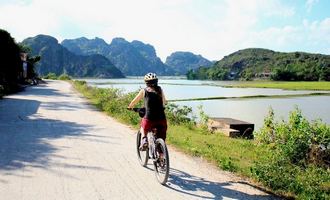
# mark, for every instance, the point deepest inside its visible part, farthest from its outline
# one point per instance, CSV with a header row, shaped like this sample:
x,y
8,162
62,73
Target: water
x,y
250,110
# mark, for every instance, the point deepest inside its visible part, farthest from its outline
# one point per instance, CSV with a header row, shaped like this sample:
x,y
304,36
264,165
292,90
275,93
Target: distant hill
x,y
182,62
132,58
57,59
84,46
255,63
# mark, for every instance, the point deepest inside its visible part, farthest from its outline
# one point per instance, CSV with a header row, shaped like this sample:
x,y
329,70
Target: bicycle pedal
x,y
143,148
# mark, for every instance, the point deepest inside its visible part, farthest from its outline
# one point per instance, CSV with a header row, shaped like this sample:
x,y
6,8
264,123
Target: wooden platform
x,y
231,127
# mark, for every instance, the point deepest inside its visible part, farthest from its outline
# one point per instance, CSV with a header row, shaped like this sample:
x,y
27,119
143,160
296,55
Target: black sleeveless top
x,y
154,106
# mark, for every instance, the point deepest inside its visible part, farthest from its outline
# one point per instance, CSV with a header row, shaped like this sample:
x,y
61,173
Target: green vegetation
x,y
182,61
53,76
64,77
11,69
249,64
302,85
254,96
230,154
296,156
11,65
289,158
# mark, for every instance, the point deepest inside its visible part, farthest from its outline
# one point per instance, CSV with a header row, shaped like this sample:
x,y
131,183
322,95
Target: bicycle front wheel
x,y
162,162
142,155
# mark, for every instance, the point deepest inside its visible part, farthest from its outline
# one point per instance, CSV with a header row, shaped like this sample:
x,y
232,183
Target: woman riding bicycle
x,y
154,103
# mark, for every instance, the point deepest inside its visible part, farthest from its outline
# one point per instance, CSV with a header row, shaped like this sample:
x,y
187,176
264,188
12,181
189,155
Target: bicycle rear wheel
x,y
143,156
162,162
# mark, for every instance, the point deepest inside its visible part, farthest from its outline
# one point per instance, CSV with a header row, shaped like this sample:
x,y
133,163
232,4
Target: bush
x,y
296,156
11,66
64,77
178,115
51,75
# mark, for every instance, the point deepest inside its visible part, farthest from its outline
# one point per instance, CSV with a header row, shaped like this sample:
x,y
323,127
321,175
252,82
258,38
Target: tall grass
x,y
296,156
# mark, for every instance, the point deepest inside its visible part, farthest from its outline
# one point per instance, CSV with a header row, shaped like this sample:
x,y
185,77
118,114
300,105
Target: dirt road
x,y
54,145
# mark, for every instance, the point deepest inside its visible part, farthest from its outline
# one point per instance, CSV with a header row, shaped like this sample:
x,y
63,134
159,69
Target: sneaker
x,y
161,161
144,144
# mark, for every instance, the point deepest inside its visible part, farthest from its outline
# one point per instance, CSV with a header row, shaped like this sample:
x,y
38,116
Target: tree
x,y
325,74
11,65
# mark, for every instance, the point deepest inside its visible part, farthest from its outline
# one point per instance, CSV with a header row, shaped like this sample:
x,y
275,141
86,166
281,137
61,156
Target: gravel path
x,y
54,145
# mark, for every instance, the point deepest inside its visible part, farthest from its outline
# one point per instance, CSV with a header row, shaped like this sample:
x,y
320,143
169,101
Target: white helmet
x,y
150,77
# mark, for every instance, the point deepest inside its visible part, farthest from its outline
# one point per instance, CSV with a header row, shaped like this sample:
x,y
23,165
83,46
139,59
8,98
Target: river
x,y
250,110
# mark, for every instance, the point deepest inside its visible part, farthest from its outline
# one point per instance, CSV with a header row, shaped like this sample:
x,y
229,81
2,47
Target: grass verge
x,y
296,85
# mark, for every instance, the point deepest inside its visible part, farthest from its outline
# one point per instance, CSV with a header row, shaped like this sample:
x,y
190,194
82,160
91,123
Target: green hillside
x,y
254,63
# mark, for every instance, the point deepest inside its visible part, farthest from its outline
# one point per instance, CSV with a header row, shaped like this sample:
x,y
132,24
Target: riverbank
x,y
255,96
287,85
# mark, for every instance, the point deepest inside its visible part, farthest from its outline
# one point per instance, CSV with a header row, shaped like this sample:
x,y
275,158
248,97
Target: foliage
x,y
11,66
204,118
64,77
51,75
181,61
178,115
296,156
200,73
249,64
247,74
25,48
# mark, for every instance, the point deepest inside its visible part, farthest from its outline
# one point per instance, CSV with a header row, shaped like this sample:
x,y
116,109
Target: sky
x,y
211,28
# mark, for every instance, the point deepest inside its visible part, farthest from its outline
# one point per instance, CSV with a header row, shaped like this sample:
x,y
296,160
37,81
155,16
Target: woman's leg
x,y
144,140
142,132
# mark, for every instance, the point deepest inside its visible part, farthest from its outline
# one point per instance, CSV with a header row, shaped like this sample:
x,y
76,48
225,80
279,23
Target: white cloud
x,y
319,31
308,36
24,20
309,4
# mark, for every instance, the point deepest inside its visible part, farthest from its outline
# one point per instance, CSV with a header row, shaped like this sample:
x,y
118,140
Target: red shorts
x,y
161,126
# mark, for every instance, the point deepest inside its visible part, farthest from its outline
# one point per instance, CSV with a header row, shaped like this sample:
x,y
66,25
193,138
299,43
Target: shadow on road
x,y
25,136
195,186
42,90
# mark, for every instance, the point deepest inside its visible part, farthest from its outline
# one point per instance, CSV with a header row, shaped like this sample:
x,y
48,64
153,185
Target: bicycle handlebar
x,y
141,111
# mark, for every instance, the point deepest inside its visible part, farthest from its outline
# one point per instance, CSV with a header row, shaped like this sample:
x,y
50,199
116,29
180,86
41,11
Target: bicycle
x,y
156,150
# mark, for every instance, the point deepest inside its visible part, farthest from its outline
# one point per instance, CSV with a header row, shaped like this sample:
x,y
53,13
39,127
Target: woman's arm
x,y
138,97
